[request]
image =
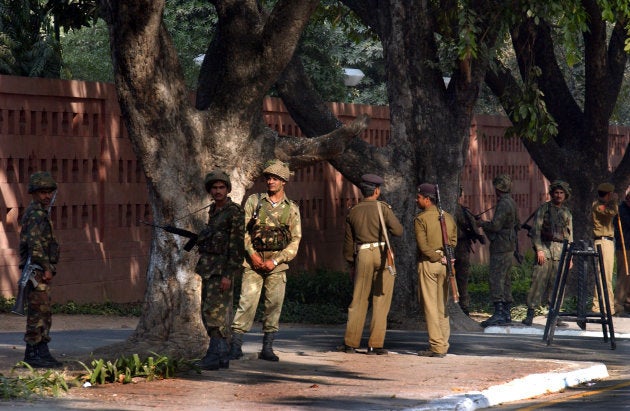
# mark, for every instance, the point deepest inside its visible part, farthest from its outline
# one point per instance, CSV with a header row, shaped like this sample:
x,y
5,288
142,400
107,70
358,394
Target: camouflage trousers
x,y
462,273
274,285
39,316
499,277
216,306
543,280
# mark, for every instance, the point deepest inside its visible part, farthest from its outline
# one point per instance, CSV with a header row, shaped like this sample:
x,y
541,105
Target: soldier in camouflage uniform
x,y
38,241
221,256
272,237
553,223
467,235
501,232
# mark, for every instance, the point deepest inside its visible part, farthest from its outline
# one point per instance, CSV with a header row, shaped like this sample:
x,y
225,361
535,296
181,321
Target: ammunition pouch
x,y
213,242
53,252
270,238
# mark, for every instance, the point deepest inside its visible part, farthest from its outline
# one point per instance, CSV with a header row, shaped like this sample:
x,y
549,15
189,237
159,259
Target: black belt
x,y
605,237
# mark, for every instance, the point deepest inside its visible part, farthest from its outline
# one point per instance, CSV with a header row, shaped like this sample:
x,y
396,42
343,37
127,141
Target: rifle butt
x,y
18,308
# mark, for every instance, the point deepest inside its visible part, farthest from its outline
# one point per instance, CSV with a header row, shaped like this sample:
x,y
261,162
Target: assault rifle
x,y
28,274
192,237
448,250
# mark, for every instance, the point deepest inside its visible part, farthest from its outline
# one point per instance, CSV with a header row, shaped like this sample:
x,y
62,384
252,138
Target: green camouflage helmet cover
x,y
217,175
562,185
503,182
41,180
277,168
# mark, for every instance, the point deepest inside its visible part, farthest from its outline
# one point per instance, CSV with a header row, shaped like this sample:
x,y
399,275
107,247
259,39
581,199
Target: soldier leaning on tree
x,y
221,255
272,239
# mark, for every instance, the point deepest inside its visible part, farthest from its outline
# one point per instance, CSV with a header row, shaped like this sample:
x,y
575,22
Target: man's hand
x,y
225,285
540,257
257,261
268,266
47,277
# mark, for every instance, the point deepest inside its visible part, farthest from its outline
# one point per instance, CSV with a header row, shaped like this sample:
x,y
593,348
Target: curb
x,y
520,389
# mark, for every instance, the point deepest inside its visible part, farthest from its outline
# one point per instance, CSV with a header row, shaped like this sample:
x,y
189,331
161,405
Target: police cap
x,y
426,190
372,180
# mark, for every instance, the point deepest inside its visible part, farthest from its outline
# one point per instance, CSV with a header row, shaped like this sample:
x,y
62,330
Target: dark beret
x,y
426,189
372,179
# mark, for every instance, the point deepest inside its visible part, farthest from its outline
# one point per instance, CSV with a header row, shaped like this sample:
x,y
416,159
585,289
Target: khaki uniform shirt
x,y
364,226
429,234
603,218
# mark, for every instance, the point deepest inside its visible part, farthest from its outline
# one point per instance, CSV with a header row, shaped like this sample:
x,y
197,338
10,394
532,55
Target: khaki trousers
x,y
434,292
608,255
371,279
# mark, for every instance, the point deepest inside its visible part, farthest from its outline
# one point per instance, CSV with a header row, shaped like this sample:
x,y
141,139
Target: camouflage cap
x,y
41,180
217,175
563,185
606,188
277,168
503,182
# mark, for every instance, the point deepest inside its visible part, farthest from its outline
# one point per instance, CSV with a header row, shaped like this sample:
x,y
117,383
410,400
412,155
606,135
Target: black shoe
x,y
429,353
346,348
376,351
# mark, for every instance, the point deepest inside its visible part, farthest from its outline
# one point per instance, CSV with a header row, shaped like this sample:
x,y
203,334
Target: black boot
x,y
507,310
498,318
236,351
211,359
267,350
32,358
44,354
224,353
529,319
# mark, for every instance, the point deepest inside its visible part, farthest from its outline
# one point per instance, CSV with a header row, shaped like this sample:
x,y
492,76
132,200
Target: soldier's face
x,y
219,192
558,196
43,197
274,184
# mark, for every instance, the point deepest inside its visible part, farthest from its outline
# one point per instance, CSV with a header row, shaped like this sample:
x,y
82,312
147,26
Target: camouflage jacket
x,y
551,224
37,238
267,215
502,229
220,244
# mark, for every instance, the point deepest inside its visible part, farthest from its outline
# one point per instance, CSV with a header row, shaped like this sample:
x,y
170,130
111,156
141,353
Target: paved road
x,y
497,342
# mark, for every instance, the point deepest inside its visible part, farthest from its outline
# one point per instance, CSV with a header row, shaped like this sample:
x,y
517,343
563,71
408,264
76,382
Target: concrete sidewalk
x,y
482,369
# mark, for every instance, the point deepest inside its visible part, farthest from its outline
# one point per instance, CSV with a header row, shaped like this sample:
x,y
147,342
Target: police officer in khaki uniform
x,y
364,248
604,210
432,281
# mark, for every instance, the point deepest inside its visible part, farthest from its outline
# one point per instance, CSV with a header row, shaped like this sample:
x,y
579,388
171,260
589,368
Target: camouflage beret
x,y
277,168
372,180
503,182
217,175
41,180
606,188
426,189
562,185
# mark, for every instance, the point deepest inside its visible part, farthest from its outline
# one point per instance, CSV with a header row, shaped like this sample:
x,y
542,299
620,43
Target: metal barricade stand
x,y
586,261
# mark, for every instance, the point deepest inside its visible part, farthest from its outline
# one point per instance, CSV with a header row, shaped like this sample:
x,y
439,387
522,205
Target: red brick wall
x,y
74,130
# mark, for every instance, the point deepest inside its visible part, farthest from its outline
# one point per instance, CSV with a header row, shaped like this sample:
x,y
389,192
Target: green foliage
x,y
27,44
47,382
108,308
86,54
124,369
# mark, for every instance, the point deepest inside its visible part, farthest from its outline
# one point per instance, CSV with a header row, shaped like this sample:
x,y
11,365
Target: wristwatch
x,y
275,263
